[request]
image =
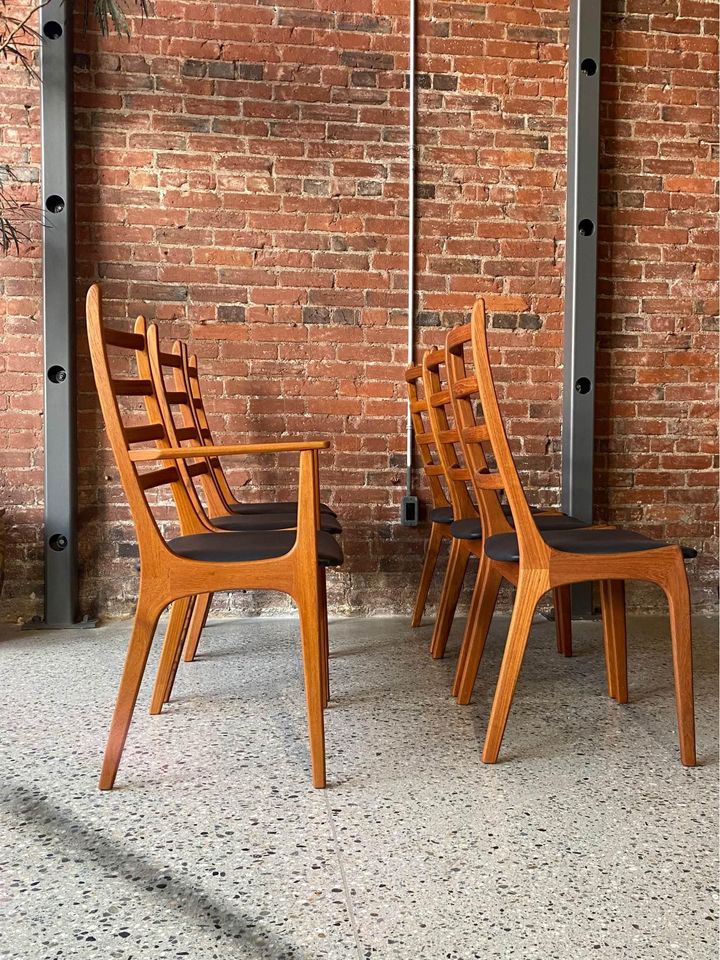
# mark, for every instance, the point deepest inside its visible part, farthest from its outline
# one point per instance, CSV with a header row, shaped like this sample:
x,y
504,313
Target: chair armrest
x,y
232,450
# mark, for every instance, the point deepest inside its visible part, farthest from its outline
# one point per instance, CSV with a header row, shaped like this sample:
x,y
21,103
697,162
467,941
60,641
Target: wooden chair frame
x,y
541,568
154,362
473,436
166,577
434,474
463,485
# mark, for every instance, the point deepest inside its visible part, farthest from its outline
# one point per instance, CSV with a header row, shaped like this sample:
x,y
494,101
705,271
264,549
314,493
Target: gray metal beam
x,y
56,99
578,425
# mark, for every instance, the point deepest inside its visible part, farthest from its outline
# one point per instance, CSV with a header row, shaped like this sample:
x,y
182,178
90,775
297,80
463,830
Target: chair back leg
x,y
612,600
563,620
180,613
487,588
198,620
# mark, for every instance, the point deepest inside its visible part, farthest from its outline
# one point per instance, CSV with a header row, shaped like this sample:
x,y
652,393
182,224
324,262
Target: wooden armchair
x,y
441,513
202,561
179,411
538,560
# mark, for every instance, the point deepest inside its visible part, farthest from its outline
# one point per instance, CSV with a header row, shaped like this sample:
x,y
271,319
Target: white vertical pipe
x,y
411,233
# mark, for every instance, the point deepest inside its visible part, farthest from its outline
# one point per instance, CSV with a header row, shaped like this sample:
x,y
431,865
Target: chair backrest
x,y
176,407
472,430
123,429
192,378
447,440
533,551
424,439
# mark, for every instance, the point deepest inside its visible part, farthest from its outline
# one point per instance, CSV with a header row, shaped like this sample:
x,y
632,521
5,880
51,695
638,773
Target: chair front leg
x,y
146,618
612,602
678,596
308,601
198,620
452,585
563,620
431,555
324,638
530,588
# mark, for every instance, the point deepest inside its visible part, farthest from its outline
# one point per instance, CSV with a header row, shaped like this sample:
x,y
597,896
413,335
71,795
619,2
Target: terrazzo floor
x,y
589,840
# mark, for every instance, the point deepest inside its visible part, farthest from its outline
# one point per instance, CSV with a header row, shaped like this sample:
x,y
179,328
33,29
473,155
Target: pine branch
x,y
18,38
112,12
18,41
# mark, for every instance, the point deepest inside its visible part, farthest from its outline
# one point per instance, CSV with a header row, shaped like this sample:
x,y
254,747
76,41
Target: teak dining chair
x,y
441,513
495,517
178,411
199,561
467,529
540,560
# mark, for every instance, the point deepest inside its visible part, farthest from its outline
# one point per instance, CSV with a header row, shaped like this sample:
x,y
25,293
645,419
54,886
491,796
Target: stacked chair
x,y
441,513
224,545
538,552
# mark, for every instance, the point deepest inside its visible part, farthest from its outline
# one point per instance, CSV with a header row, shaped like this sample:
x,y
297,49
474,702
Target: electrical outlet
x,y
409,511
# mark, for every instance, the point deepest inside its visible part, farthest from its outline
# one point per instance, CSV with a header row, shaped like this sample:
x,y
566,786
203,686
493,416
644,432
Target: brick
x,y
253,198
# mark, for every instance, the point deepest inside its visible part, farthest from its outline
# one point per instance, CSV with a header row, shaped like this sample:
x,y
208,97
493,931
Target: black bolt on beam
x,y
578,425
56,102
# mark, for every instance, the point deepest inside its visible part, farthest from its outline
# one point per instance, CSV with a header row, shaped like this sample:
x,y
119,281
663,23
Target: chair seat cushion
x,y
282,506
471,529
504,546
441,515
244,547
271,521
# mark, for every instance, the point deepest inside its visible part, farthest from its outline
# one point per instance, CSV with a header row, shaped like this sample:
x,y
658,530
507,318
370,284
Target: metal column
x,y
578,426
56,102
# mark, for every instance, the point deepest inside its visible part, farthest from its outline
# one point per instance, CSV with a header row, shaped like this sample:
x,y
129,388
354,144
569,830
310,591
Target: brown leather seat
x,y
504,546
271,521
471,529
282,506
442,515
243,547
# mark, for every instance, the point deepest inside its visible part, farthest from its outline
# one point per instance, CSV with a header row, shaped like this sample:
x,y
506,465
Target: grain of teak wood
x,y
202,561
538,560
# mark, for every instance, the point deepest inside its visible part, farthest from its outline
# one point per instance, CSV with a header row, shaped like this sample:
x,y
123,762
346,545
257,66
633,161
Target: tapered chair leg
x,y
431,555
612,602
563,620
529,590
324,640
309,610
170,655
452,585
197,625
678,595
488,586
146,619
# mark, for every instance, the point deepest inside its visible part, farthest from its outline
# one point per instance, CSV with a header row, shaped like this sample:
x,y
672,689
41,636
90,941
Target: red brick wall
x,y
241,169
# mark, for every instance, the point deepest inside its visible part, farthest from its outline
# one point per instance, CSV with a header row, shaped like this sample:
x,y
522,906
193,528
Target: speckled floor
x,y
588,841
